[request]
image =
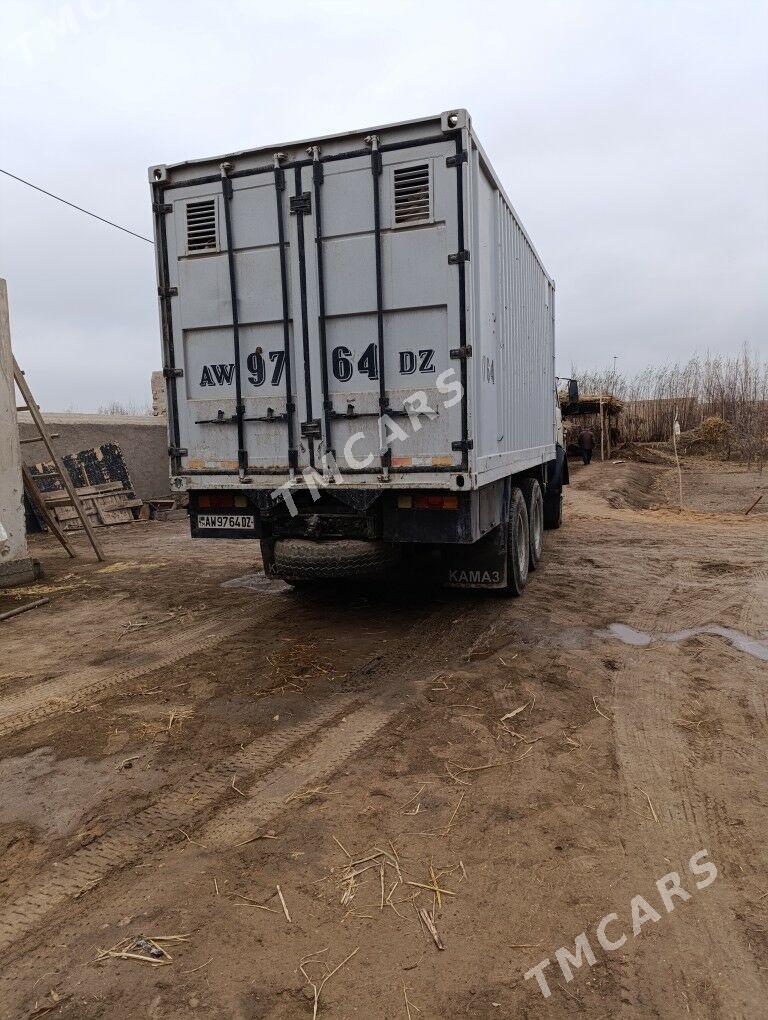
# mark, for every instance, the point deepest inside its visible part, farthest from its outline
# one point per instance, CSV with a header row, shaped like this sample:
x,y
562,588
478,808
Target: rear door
x,y
226,237
383,310
346,305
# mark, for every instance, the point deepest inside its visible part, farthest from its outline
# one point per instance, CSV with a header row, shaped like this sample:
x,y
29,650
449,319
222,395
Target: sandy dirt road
x,y
172,751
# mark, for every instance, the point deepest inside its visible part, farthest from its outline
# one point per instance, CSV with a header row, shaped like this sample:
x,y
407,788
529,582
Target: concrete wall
x,y
142,440
15,564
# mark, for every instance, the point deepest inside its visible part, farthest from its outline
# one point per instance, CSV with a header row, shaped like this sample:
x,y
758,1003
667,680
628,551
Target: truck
x,y
358,342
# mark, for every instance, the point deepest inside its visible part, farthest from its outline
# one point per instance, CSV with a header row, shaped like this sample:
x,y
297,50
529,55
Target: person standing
x,y
586,444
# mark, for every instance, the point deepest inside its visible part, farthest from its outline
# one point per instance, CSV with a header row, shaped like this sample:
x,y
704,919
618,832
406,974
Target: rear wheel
x,y
518,553
534,502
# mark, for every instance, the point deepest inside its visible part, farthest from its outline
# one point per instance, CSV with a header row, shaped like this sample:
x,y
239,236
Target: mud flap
x,y
268,556
557,470
480,565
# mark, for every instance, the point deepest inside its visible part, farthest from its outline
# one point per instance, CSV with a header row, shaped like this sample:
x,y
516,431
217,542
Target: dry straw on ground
x,y
143,949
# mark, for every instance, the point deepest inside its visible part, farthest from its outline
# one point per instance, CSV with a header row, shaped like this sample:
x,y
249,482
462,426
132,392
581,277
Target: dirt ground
x,y
172,751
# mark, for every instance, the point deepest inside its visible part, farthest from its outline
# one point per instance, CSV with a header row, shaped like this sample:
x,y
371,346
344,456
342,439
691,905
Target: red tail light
x,y
435,502
221,500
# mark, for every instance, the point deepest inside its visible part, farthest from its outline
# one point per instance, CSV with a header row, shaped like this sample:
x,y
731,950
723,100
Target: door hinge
x,y
166,292
177,451
462,352
462,445
162,207
457,159
301,204
173,373
458,256
311,429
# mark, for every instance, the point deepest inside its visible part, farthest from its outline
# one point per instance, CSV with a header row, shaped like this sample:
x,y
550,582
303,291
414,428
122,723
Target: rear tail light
x,y
428,502
221,500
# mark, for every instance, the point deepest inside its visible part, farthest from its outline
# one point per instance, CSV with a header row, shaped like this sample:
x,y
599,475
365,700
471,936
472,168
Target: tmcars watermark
x,y
417,409
703,872
60,25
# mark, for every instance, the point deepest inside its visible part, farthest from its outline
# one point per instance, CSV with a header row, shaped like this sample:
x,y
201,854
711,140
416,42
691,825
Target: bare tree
x,y
733,390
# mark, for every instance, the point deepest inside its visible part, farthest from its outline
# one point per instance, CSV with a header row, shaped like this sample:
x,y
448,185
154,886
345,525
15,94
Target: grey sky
x,y
631,137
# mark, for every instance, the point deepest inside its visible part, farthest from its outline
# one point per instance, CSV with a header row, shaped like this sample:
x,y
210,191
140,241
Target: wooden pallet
x,y
62,505
105,505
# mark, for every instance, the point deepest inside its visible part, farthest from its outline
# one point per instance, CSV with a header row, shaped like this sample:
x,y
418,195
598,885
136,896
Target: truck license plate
x,y
225,522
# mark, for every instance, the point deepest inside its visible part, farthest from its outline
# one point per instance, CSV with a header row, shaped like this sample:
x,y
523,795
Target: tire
x,y
301,559
534,502
517,544
553,509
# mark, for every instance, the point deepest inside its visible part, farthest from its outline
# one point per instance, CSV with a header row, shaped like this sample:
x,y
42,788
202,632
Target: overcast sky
x,y
631,137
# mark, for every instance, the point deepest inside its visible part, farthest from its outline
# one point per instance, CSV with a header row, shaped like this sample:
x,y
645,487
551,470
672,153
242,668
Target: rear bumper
x,y
394,515
391,516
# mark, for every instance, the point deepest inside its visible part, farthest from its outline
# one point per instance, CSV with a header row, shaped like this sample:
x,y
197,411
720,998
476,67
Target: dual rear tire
x,y
534,502
525,535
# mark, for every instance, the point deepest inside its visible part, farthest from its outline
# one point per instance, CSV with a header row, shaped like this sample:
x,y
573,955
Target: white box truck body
x,y
358,343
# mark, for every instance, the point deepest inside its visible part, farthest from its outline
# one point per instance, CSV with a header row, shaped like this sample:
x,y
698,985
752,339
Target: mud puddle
x,y
258,582
752,646
53,794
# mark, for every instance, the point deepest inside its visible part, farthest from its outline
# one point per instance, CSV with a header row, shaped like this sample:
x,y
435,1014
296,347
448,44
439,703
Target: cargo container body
x,y
358,343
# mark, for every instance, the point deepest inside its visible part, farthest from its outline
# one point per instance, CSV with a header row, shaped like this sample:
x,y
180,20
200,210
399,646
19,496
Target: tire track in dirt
x,y
753,618
654,760
55,697
352,722
150,828
684,598
416,650
705,965
324,758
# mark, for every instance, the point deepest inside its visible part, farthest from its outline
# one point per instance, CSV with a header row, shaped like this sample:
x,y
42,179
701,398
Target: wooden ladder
x,y
60,472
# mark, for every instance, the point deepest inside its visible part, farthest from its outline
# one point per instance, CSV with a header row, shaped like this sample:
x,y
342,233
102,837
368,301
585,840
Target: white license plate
x,y
225,522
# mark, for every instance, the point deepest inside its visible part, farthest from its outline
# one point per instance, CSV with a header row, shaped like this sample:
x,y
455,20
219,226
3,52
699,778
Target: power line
x,y
79,208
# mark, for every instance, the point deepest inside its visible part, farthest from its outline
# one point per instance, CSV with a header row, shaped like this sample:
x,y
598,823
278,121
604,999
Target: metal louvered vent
x,y
412,194
201,225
